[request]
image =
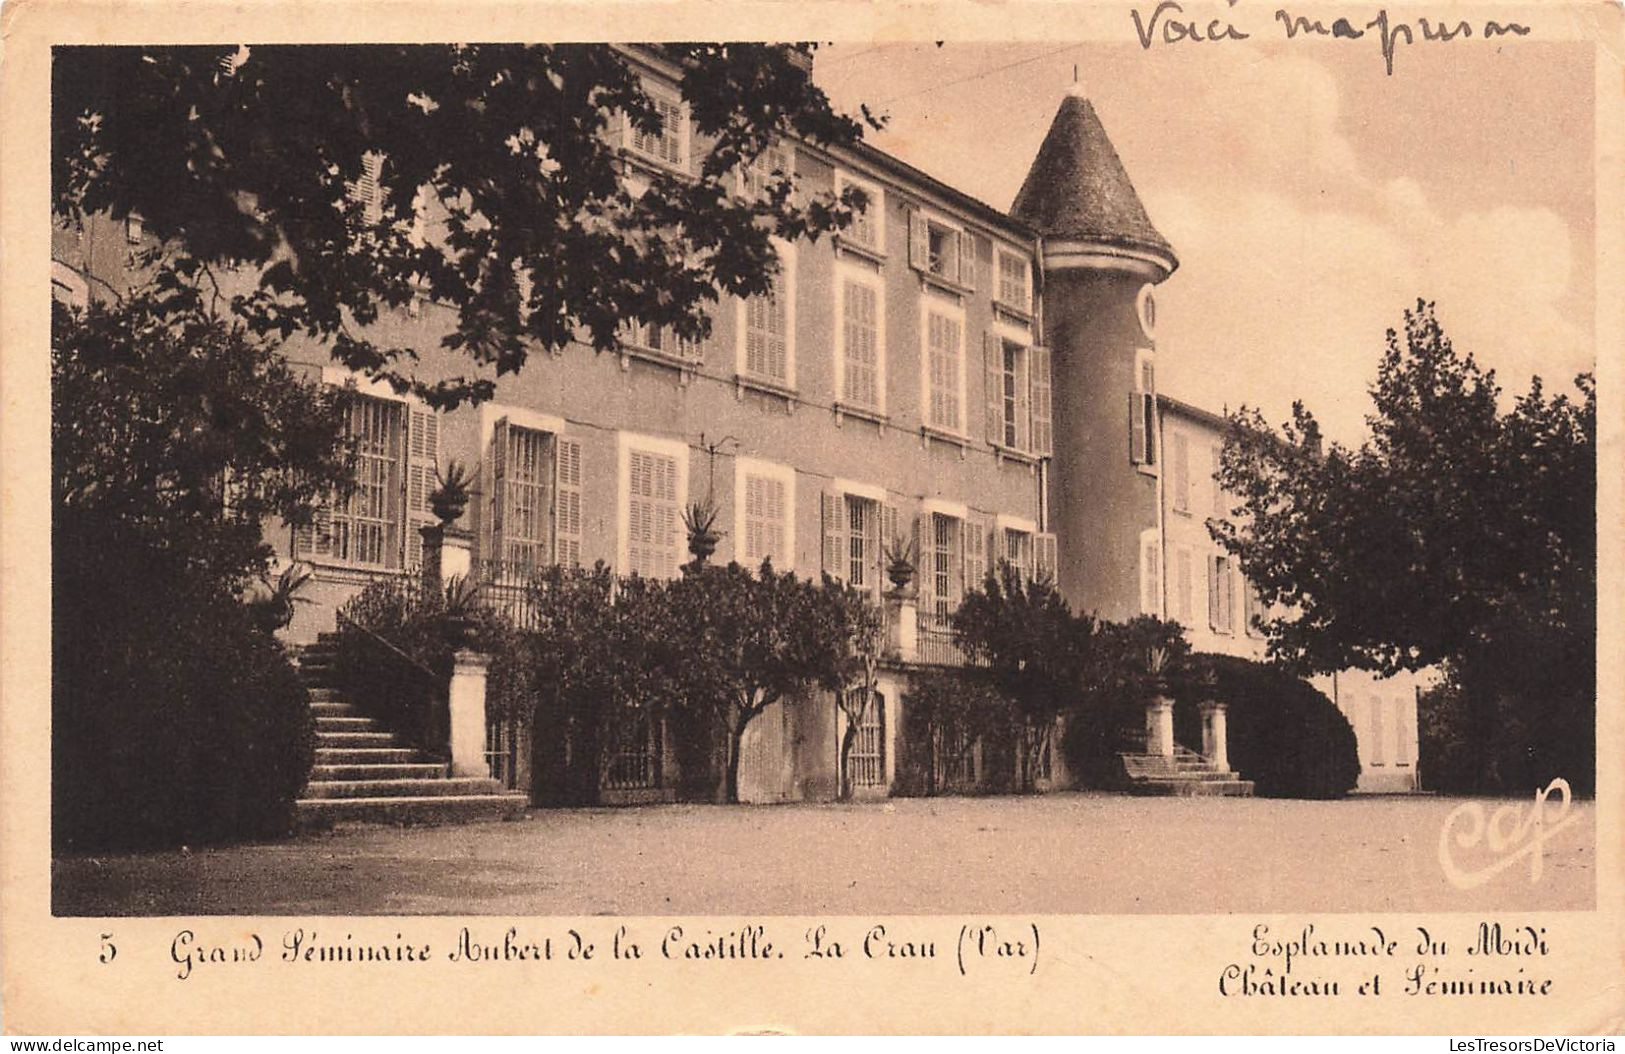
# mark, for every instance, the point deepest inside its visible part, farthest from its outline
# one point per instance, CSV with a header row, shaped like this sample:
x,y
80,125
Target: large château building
x,y
981,382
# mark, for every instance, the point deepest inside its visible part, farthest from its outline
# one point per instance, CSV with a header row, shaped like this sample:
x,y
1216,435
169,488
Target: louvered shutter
x,y
993,374
316,539
1148,561
1024,401
1213,593
925,563
1218,491
976,554
1043,412
967,260
422,459
888,539
567,502
919,242
1183,584
368,190
1136,428
1182,472
499,489
1046,556
836,551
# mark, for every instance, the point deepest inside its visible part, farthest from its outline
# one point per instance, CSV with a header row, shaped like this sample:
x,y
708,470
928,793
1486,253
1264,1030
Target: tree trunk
x,y
736,736
848,737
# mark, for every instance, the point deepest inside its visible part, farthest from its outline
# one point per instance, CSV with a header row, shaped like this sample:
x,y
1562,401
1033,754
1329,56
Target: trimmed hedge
x,y
175,720
1285,736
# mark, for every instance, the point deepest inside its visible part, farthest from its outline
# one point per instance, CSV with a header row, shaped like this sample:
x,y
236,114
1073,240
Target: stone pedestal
x,y
448,553
467,704
1214,734
902,625
1159,726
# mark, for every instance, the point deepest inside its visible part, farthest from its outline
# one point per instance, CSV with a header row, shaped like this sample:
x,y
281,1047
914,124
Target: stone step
x,y
1209,774
335,710
337,740
367,756
432,787
325,695
348,722
424,809
424,770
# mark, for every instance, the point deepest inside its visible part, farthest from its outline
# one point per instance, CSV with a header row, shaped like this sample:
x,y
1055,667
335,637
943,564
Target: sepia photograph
x,y
487,477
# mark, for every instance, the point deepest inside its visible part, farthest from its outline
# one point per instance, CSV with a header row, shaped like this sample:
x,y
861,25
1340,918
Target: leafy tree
x,y
948,712
502,189
1033,648
176,431
742,642
1454,535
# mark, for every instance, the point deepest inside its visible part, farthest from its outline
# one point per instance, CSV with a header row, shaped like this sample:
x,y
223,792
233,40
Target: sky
x,y
1310,197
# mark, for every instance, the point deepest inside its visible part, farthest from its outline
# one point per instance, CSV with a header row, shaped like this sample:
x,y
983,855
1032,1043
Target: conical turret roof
x,y
1077,188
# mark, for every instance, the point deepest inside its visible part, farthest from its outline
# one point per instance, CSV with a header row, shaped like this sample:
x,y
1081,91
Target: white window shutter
x,y
993,374
316,539
1042,400
499,490
967,260
1024,401
836,552
1136,428
567,526
919,242
1182,472
1213,593
1218,491
422,463
924,561
888,539
975,536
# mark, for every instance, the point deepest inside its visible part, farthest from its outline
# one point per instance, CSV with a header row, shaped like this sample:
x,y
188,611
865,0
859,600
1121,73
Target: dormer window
x,y
941,251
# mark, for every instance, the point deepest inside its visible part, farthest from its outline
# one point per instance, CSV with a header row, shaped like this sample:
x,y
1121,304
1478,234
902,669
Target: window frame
x,y
955,312
1000,254
875,213
661,93
786,275
850,272
625,444
744,469
1148,456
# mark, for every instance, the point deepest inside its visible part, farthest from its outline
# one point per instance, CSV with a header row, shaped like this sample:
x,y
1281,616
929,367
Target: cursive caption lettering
x,y
965,948
1168,24
1496,959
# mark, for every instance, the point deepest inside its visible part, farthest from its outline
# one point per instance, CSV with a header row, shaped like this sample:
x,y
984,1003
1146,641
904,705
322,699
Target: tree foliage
x,y
184,433
1456,535
502,179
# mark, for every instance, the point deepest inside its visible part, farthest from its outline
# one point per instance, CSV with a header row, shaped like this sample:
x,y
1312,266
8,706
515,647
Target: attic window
x,y
941,251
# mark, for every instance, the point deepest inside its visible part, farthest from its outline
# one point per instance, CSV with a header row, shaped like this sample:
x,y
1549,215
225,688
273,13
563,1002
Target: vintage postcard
x,y
660,517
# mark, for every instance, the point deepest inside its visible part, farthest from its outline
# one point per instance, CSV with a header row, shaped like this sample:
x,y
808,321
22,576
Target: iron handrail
x,y
433,677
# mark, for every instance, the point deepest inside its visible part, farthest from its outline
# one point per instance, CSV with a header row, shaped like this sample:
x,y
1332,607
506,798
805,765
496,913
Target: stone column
x,y
1215,735
902,625
467,699
1159,726
448,552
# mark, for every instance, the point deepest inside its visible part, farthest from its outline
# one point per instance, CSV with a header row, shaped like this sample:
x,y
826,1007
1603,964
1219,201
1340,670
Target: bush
x,y
944,709
1285,736
174,719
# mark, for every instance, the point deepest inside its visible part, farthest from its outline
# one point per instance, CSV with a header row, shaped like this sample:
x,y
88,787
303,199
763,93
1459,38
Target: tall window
x,y
364,532
943,563
860,343
522,498
1150,573
653,540
773,165
867,229
670,145
397,450
1013,287
854,527
643,336
766,516
767,348
1013,395
945,361
1017,550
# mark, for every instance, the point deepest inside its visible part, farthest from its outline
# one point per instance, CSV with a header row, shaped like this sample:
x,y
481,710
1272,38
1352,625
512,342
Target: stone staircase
x,y
365,774
1186,774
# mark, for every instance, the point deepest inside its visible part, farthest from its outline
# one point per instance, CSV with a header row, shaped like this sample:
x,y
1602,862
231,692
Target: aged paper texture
x,y
1291,178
